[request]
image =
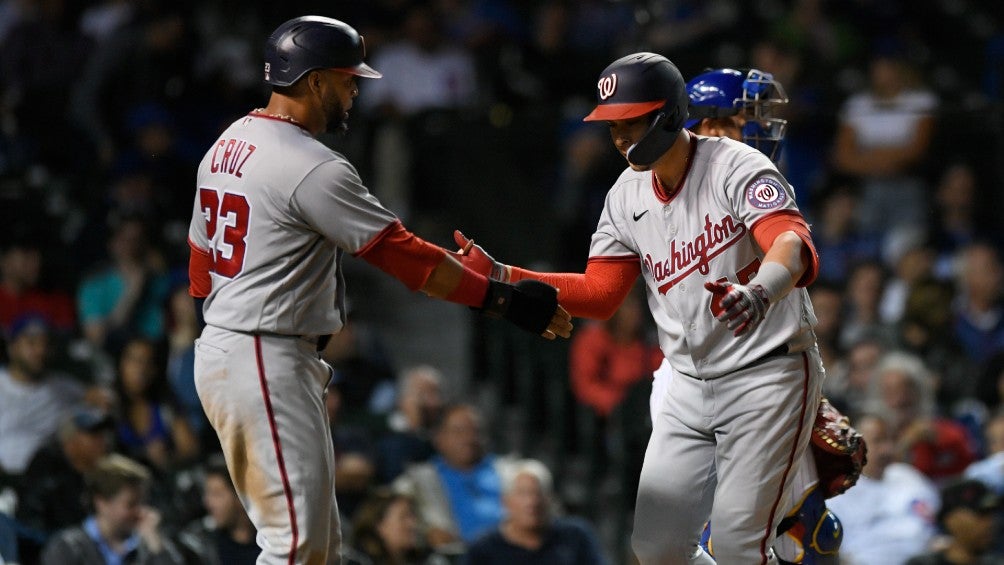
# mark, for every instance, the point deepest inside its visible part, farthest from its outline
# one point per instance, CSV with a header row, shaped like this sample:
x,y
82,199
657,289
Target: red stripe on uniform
x,y
278,448
791,460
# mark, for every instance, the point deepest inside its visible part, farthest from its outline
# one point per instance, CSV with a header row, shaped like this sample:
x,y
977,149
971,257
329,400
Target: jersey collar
x,y
660,191
285,119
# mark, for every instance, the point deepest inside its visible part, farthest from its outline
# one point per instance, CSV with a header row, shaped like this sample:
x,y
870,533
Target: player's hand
x,y
475,258
530,305
561,324
741,307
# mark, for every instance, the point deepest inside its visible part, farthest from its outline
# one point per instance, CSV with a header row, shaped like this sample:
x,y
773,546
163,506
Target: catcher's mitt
x,y
839,450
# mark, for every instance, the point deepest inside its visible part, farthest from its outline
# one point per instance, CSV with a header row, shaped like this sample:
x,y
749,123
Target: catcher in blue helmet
x,y
740,105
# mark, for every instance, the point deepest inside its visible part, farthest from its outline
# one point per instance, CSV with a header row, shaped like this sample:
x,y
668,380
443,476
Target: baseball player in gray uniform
x,y
742,105
274,212
713,228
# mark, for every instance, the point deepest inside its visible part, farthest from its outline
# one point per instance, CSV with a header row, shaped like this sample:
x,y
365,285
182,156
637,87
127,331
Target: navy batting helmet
x,y
314,42
636,85
752,93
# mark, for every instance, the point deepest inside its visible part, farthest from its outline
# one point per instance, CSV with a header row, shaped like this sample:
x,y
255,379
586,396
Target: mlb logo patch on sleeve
x,y
765,193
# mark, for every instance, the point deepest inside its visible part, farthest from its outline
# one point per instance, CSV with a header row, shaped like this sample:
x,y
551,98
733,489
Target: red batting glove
x,y
741,307
475,258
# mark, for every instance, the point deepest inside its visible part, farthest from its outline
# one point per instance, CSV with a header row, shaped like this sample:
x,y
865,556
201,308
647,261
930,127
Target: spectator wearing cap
x,y
968,511
20,294
51,497
32,397
121,527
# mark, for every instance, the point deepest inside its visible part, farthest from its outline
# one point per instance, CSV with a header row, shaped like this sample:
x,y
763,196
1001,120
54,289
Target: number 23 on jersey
x,y
230,212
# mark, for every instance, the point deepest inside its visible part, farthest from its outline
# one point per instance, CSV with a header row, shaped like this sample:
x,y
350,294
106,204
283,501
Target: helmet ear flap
x,y
661,134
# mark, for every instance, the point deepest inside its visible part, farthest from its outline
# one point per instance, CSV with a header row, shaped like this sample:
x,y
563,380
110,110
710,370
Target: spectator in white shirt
x,y
883,136
888,517
33,398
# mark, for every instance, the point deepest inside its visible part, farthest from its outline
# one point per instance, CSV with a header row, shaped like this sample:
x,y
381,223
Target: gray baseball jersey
x,y
274,212
277,242
703,233
727,434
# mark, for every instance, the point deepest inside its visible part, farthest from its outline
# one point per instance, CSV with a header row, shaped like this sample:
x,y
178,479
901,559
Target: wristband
x,y
774,278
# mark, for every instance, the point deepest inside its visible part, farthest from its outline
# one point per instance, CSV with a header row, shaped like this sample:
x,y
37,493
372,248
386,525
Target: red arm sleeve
x,y
199,263
402,255
598,292
766,229
412,260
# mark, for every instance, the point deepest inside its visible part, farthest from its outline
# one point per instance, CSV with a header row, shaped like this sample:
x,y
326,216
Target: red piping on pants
x,y
791,460
278,449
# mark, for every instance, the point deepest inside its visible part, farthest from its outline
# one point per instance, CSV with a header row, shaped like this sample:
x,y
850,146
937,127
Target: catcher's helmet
x,y
314,42
721,93
639,84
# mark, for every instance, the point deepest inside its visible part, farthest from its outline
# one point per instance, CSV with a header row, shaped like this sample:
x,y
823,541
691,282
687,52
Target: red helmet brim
x,y
607,112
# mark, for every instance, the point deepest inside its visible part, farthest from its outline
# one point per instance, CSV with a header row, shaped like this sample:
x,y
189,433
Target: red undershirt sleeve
x,y
410,259
199,263
598,292
766,229
402,255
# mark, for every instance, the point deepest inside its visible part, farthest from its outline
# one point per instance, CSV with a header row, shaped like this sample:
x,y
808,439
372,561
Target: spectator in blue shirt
x,y
127,297
458,492
122,528
531,534
979,311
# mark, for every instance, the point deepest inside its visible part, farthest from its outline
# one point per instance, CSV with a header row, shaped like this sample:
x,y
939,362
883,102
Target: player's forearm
x,y
449,280
597,293
787,251
423,266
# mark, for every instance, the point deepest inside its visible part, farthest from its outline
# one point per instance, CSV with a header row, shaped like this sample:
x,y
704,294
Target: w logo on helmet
x,y
607,86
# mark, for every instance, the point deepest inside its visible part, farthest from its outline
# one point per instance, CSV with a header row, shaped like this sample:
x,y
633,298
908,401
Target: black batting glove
x,y
530,305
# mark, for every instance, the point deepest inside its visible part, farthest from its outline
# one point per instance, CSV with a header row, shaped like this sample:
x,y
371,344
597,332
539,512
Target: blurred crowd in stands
x,y
895,149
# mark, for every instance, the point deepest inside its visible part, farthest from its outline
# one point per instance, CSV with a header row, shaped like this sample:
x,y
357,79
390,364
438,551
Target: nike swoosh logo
x,y
638,216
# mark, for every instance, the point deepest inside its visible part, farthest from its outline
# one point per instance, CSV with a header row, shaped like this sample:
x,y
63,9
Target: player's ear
x,y
314,81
